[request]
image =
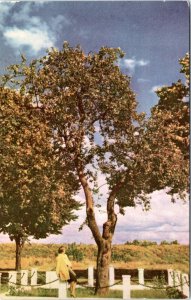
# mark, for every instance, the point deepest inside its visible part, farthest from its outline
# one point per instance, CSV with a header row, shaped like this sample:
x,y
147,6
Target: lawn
x,y
86,293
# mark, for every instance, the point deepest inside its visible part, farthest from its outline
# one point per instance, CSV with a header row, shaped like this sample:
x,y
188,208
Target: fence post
x,y
179,281
126,286
176,279
170,277
111,276
62,290
33,276
141,276
185,282
0,278
91,276
24,277
51,279
12,278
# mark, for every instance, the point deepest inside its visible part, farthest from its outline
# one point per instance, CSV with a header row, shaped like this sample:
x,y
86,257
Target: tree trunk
x,y
19,245
103,261
103,241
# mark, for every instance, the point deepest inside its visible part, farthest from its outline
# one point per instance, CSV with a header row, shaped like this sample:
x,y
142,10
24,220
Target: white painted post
x,y
12,278
91,276
181,282
51,278
62,291
170,277
178,280
33,277
141,276
185,282
24,277
111,276
126,286
0,278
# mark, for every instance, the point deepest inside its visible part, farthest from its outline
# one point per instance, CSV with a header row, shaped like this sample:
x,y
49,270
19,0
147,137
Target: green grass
x,y
39,292
150,294
89,293
3,288
80,293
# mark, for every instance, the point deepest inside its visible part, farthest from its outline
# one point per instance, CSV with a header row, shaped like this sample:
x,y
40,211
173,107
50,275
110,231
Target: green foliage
x,y
174,293
3,288
144,243
159,281
167,136
39,201
74,252
86,116
35,292
175,242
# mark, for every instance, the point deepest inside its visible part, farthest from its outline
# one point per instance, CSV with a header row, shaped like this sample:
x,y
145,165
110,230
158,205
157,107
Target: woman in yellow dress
x,y
64,270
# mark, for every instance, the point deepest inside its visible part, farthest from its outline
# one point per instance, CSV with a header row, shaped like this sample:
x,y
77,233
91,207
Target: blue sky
x,y
153,34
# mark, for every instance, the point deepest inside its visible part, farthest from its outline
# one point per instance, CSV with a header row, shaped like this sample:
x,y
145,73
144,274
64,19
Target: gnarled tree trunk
x,y
103,241
19,246
103,261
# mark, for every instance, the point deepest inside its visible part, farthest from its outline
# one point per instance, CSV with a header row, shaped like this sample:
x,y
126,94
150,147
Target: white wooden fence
x,y
175,279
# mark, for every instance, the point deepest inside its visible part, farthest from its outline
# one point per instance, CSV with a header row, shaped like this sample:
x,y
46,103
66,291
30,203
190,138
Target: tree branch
x,y
109,226
89,204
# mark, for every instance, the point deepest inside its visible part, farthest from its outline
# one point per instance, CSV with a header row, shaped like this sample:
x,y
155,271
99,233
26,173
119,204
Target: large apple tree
x,y
92,111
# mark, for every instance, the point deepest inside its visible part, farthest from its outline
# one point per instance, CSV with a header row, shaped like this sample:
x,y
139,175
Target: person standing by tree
x,y
64,270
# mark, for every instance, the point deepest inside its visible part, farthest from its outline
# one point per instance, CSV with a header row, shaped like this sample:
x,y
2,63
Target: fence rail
x,y
129,280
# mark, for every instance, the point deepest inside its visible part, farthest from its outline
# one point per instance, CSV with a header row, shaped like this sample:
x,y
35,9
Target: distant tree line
x,y
150,243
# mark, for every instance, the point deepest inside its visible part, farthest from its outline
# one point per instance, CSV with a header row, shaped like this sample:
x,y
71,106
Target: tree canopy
x,y
167,133
91,111
35,198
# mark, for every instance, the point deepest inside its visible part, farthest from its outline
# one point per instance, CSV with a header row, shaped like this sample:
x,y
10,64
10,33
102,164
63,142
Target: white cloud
x,y
30,32
132,63
33,35
155,88
34,38
165,221
143,80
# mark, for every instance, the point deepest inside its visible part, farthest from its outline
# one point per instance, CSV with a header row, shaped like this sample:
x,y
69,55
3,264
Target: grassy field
x,y
88,293
42,256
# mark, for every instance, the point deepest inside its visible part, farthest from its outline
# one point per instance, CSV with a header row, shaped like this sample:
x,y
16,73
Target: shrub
x,y
141,243
74,252
173,293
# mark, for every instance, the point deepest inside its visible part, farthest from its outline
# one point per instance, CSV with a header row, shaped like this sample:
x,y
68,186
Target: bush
x,y
144,243
175,242
159,281
173,293
74,252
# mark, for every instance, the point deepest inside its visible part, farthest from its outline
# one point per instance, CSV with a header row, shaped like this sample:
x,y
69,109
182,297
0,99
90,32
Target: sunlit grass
x,y
42,257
